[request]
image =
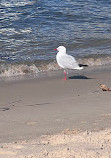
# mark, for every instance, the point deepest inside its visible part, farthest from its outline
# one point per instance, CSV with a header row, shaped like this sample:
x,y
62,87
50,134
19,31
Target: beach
x,y
50,117
41,115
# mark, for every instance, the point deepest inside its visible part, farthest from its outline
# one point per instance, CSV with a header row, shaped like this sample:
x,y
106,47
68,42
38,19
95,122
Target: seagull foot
x,y
64,79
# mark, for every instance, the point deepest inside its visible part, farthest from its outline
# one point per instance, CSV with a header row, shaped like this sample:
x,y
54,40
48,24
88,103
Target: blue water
x,y
31,29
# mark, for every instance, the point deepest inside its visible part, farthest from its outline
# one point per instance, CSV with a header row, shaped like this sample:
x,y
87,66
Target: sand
x,y
49,117
68,144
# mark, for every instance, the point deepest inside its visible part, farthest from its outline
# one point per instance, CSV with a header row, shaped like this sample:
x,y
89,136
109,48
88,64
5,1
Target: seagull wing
x,y
68,62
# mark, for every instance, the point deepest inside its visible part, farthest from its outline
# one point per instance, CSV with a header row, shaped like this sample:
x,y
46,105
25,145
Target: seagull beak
x,y
55,49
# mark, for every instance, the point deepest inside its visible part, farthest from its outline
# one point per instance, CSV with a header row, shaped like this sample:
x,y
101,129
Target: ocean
x,y
30,30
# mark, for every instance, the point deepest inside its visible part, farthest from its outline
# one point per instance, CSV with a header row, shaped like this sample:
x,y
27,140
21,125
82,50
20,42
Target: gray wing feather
x,y
67,61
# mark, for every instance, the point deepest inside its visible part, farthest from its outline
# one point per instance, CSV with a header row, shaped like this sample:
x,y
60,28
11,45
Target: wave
x,y
17,70
9,70
95,61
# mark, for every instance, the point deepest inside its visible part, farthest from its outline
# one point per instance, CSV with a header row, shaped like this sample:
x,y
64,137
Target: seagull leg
x,y
64,75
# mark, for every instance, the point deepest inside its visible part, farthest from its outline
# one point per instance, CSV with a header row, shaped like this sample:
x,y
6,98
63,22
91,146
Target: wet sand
x,y
32,108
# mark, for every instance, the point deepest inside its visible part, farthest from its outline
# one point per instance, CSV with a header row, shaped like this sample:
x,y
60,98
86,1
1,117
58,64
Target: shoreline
x,y
51,74
26,69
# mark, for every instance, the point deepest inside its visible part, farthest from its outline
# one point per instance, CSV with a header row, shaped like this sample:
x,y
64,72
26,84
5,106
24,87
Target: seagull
x,y
66,61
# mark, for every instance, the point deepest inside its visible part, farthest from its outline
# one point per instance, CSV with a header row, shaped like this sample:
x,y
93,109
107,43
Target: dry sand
x,y
34,112
68,144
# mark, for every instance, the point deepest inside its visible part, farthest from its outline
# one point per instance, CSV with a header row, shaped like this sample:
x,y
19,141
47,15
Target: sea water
x,y
31,29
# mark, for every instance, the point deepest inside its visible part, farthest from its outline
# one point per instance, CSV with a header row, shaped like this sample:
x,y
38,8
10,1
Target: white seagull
x,y
66,61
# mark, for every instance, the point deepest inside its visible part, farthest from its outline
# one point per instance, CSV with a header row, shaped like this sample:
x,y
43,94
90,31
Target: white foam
x,y
13,3
7,31
17,70
27,30
12,31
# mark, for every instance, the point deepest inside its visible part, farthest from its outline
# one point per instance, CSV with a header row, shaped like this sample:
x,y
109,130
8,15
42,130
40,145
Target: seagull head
x,y
61,49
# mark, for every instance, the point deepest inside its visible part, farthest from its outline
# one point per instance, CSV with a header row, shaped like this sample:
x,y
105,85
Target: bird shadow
x,y
83,65
79,77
